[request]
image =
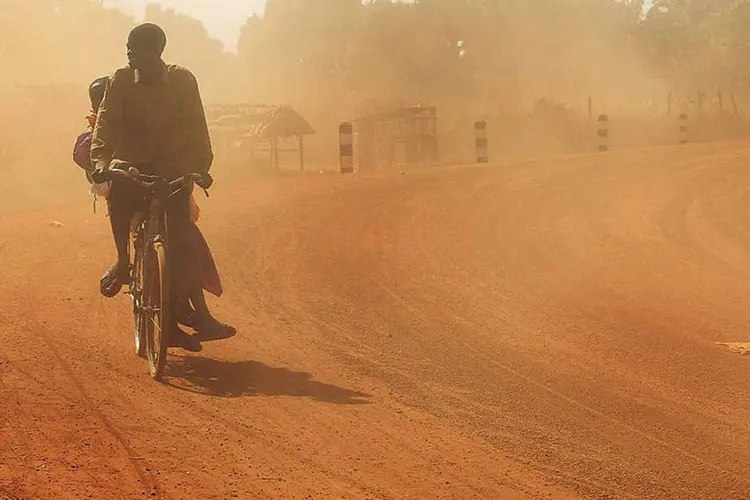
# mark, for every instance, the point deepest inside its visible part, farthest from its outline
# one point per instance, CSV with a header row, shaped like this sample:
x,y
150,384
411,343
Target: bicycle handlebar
x,y
144,180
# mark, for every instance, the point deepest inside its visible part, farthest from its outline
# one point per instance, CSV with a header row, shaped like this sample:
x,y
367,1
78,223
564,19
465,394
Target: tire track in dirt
x,y
531,330
139,465
393,268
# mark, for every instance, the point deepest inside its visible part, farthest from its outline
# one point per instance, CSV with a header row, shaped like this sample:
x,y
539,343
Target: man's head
x,y
145,46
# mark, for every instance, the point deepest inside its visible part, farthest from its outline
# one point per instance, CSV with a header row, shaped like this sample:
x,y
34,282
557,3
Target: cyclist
x,y
193,312
152,116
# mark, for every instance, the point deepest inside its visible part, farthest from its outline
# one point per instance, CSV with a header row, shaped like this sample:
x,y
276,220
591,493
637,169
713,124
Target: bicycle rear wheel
x,y
158,313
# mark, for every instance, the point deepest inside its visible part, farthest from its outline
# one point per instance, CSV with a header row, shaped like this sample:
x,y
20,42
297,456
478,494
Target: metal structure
x,y
401,134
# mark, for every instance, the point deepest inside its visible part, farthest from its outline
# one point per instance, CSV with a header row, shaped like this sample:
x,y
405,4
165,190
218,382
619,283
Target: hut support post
x,y
302,153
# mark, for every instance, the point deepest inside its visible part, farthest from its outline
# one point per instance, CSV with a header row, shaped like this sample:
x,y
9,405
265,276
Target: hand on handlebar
x,y
99,175
206,181
107,172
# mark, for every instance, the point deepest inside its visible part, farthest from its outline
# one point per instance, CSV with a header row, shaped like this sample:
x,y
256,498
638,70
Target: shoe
x,y
209,329
179,338
186,318
113,280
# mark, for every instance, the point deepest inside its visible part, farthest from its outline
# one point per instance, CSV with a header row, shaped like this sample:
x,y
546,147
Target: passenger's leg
x,y
205,324
207,280
182,275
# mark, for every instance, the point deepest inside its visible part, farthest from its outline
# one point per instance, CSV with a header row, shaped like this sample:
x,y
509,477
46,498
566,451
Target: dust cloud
x,y
539,73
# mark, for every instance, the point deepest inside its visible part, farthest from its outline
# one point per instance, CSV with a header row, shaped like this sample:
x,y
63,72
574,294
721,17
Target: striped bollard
x,y
480,141
346,147
683,128
603,133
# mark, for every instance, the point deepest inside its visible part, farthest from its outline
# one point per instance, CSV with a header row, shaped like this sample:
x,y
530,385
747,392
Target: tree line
x,y
496,51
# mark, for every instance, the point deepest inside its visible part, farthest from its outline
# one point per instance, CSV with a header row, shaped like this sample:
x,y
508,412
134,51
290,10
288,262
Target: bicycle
x,y
149,286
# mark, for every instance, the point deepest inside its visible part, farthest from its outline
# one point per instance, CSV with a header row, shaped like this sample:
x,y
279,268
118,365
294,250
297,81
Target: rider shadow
x,y
233,379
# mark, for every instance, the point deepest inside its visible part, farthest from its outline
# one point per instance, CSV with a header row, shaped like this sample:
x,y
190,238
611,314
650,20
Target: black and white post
x,y
346,147
603,133
683,128
480,141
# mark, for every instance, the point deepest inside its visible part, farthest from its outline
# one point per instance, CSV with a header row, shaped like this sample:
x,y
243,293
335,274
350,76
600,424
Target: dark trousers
x,y
125,200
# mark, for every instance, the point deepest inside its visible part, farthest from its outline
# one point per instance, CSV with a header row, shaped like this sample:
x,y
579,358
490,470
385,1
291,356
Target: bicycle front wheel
x,y
140,318
158,313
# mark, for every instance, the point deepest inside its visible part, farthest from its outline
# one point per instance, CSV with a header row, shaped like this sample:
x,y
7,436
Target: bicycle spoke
x,y
156,323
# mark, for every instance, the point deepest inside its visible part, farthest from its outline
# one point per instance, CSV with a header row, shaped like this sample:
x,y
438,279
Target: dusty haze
x,y
557,323
331,59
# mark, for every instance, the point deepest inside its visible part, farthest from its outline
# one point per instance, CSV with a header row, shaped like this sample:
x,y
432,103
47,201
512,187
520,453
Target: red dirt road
x,y
538,330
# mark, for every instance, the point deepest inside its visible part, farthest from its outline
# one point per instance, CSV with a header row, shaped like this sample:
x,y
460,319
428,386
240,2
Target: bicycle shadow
x,y
233,379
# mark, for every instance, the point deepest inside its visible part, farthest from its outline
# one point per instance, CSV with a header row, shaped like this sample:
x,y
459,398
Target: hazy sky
x,y
223,18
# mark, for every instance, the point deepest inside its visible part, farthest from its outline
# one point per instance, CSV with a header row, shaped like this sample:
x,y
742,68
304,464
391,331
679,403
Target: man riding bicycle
x,y
152,116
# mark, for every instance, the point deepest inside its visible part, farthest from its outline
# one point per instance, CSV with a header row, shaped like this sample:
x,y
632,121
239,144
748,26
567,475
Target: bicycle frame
x,y
149,261
151,229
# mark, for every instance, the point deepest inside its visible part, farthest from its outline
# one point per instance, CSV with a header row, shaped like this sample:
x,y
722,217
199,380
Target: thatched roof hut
x,y
259,121
260,126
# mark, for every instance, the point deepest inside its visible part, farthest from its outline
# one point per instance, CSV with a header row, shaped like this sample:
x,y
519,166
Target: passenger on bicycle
x,y
152,116
82,147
